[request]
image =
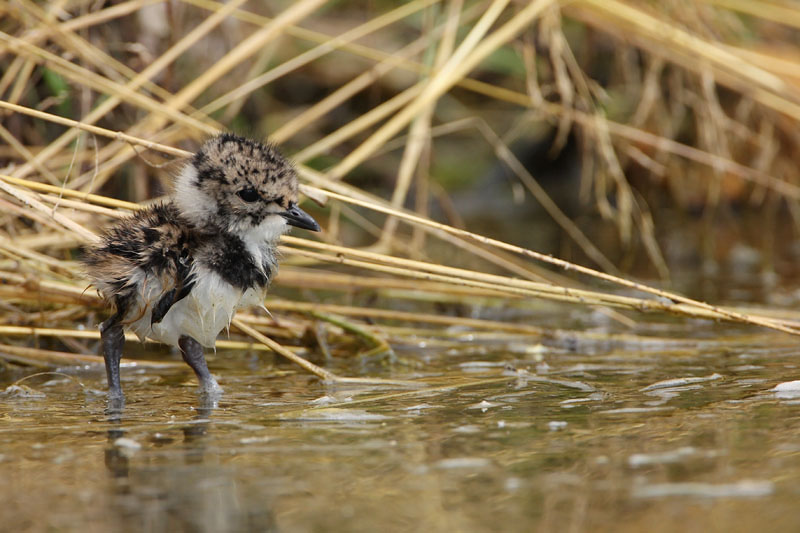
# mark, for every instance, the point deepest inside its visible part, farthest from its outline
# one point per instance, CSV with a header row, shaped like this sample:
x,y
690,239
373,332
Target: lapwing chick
x,y
177,272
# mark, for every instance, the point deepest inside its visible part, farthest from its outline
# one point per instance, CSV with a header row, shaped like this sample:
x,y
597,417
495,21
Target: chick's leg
x,y
113,339
192,352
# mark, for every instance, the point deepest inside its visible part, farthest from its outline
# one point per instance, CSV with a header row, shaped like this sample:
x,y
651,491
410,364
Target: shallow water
x,y
551,441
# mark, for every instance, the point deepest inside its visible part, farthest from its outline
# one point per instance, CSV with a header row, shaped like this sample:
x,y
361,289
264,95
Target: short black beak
x,y
297,217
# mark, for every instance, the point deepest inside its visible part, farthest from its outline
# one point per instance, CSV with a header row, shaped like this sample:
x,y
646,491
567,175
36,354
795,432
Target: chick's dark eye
x,y
248,194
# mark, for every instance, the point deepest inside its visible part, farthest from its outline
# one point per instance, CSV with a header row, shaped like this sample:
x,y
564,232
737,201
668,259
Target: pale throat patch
x,y
261,240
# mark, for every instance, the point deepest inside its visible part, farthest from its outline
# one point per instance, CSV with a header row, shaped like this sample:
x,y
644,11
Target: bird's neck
x,y
262,241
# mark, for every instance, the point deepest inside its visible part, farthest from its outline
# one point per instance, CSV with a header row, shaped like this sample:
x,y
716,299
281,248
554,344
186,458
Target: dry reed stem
x,y
561,294
505,154
90,54
419,133
319,279
242,51
118,135
520,288
705,309
314,194
31,201
492,328
308,34
246,48
29,157
99,83
765,9
686,48
51,358
321,50
343,93
634,134
32,331
473,49
404,316
86,197
85,21
450,274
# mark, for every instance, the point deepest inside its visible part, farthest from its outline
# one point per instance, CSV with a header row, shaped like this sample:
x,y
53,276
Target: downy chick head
x,y
239,185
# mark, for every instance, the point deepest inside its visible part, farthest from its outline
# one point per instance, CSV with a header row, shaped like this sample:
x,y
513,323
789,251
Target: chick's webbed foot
x,y
192,352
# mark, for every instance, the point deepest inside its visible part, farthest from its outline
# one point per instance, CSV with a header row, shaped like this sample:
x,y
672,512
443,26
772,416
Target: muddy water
x,y
578,442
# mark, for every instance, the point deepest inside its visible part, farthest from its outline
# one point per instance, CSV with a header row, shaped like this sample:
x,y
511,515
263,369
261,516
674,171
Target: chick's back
x,y
141,259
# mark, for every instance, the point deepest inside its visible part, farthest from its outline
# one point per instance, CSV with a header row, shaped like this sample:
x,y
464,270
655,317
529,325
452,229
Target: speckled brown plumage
x,y
229,162
156,240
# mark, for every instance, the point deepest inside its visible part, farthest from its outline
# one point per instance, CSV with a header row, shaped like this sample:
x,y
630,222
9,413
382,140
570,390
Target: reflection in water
x,y
190,491
194,433
116,457
621,441
120,448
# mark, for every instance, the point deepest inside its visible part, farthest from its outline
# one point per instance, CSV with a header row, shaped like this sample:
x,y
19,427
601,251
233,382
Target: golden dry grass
x,y
105,99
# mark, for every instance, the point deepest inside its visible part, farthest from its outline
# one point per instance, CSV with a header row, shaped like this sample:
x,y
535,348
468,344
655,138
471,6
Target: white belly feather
x,y
202,314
